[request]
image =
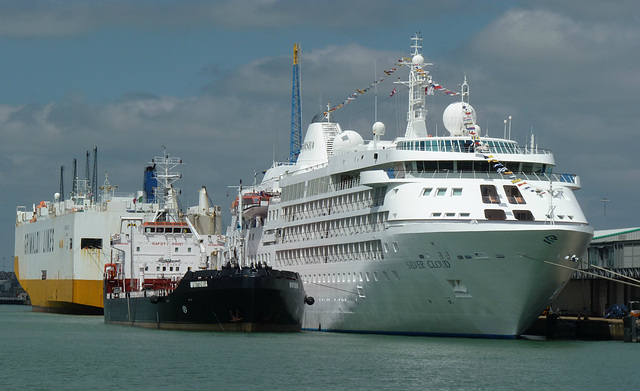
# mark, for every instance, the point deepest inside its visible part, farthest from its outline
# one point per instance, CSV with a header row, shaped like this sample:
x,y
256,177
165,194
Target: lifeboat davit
x,y
253,205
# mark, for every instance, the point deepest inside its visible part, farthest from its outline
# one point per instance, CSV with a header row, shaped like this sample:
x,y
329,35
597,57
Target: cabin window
x,y
495,214
532,168
149,230
489,194
456,192
513,194
160,229
446,165
89,243
524,215
481,166
426,192
464,165
176,249
137,249
441,192
427,166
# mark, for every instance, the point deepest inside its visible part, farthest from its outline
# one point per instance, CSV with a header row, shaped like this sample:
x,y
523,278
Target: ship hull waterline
x,y
497,293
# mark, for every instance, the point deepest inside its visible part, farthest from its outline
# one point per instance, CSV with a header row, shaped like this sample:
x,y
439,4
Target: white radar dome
x,y
378,129
417,60
347,139
453,117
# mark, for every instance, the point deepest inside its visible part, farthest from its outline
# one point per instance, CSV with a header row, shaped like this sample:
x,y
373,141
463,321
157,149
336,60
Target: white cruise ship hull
x,y
499,287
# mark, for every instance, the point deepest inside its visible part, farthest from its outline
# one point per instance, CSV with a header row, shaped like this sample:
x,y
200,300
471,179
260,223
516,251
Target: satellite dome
x,y
417,60
378,129
453,117
347,139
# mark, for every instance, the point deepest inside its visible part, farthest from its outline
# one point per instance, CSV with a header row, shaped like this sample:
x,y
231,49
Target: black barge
x,y
234,298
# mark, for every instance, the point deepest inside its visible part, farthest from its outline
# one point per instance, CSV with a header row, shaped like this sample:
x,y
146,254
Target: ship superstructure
x,y
441,235
157,252
62,246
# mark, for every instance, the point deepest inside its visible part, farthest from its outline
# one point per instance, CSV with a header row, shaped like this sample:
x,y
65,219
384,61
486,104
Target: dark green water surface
x,y
49,352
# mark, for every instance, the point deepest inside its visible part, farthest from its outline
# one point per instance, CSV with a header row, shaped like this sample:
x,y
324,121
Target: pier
x,y
553,326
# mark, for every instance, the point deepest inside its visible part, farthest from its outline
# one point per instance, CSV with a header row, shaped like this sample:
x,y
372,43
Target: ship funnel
x,y
203,200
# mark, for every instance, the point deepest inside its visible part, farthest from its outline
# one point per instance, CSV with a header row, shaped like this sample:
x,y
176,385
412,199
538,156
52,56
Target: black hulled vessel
x,y
245,299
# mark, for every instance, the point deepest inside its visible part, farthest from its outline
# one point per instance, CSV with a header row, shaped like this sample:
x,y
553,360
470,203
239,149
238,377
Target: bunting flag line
x,y
437,87
359,92
402,62
494,163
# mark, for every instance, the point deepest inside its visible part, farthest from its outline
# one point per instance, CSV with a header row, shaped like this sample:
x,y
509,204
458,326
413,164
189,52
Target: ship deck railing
x,y
451,174
445,145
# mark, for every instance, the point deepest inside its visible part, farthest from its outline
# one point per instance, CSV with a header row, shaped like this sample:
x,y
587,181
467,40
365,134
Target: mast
x,y
465,91
87,183
164,192
74,183
94,180
419,80
61,183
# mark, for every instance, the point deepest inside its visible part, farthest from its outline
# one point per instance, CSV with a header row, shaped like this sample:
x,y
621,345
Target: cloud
x,y
75,17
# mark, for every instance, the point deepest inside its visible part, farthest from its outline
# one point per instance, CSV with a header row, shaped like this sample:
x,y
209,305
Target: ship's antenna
x,y
375,91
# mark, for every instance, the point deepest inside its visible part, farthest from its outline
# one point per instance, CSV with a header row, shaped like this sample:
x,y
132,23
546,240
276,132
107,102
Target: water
x,y
47,351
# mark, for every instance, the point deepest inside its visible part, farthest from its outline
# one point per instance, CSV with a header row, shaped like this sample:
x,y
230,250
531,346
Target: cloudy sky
x,y
211,80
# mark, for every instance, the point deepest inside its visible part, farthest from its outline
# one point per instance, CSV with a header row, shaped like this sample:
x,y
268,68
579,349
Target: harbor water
x,y
49,351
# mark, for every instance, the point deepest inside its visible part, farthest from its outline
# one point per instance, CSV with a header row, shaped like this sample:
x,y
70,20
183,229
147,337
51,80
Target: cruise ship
x,y
63,245
456,235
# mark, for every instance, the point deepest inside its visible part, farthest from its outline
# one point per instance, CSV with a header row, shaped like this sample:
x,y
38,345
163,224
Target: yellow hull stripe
x,y
56,293
52,293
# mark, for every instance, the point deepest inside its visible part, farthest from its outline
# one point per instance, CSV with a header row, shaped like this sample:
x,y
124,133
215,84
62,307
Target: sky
x,y
212,81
